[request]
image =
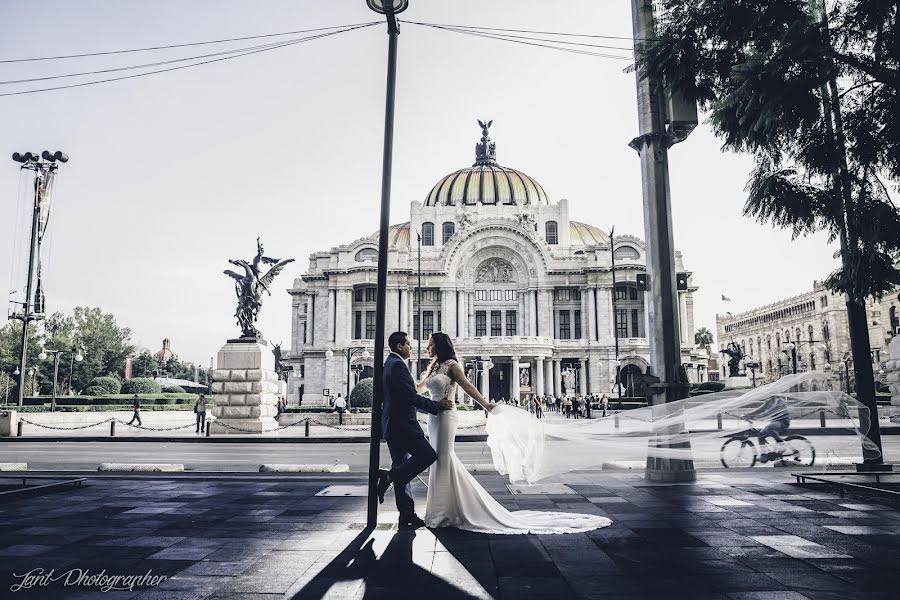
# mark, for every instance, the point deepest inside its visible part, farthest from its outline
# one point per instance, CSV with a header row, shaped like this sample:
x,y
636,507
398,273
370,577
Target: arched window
x,y
812,361
552,232
449,228
428,234
810,331
367,255
768,342
626,253
894,320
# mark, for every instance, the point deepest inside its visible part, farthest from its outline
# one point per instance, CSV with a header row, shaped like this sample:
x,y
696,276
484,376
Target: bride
x,y
455,498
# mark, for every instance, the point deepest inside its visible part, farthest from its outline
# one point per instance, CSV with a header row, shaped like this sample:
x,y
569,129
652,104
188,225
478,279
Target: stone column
x,y
331,305
344,318
448,312
682,318
548,377
557,377
538,376
582,378
485,378
520,325
470,307
545,313
514,378
528,329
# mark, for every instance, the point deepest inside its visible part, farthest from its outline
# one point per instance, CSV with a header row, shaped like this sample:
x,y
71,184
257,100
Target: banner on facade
x,y
524,378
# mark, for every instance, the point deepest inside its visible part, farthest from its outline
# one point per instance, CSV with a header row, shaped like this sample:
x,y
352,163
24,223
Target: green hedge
x,y
361,395
716,386
109,385
98,408
173,389
141,385
115,399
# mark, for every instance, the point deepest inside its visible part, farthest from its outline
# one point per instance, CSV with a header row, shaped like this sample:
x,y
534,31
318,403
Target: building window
x,y
449,228
577,319
496,323
621,292
428,234
428,295
564,331
567,294
512,322
427,324
552,233
635,323
370,294
367,255
622,322
812,361
416,330
357,295
497,295
439,321
370,324
626,253
357,325
480,323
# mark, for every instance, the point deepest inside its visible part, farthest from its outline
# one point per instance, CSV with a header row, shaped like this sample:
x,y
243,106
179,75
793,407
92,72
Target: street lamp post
x,y
44,167
76,357
364,355
389,10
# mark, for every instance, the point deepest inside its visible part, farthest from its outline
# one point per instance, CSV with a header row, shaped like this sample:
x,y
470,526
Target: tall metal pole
x,y
29,286
664,340
419,309
615,315
381,295
55,376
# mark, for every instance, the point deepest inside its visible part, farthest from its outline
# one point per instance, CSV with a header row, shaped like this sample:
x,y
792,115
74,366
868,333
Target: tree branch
x,y
877,72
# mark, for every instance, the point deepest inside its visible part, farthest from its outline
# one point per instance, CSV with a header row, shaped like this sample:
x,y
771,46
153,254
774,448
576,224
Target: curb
x,y
13,466
142,468
623,465
218,440
283,468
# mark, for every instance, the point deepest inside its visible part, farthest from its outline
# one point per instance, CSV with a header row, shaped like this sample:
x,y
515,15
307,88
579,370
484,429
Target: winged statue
x,y
250,285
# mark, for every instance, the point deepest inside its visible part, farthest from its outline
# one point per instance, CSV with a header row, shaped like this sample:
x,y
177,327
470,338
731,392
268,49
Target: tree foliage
x,y
703,337
362,393
764,71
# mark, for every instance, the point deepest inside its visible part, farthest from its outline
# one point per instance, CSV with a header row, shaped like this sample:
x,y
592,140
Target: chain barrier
x,y
192,424
66,428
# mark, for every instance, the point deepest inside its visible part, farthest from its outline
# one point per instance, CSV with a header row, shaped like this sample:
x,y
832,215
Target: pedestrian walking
x,y
567,407
604,403
538,409
340,405
576,407
200,411
136,406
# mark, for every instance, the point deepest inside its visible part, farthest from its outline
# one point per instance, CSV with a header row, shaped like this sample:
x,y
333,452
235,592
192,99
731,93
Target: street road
x,y
212,456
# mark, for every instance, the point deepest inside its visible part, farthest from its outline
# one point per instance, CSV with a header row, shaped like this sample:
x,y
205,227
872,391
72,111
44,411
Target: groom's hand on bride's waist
x,y
446,404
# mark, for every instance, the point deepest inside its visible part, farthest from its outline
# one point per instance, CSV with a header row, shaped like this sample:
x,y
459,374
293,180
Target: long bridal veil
x,y
835,425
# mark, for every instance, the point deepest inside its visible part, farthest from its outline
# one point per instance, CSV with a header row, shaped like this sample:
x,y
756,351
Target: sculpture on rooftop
x,y
249,288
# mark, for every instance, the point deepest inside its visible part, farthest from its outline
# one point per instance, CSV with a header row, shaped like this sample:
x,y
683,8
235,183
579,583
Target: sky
x,y
173,174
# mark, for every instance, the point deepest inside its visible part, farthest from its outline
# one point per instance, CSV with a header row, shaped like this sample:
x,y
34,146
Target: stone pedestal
x,y
739,381
246,389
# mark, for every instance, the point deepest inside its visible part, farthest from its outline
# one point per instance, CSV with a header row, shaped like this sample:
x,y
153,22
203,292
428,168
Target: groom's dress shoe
x,y
411,522
382,486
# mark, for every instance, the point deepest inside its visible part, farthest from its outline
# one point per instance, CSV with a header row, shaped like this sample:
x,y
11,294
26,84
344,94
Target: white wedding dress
x,y
456,499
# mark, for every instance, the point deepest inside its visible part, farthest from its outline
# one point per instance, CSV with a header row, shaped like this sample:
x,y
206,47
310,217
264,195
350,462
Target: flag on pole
x,y
725,298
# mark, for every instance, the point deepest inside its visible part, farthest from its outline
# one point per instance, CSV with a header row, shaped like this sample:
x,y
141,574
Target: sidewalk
x,y
730,535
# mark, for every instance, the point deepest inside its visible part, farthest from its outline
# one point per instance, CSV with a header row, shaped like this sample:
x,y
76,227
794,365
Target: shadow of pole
x,y
393,575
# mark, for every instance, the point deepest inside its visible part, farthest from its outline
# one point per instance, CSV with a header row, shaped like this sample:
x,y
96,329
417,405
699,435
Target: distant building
x,y
165,353
525,292
816,323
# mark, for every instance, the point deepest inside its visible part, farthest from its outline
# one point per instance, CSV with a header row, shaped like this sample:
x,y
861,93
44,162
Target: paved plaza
x,y
736,535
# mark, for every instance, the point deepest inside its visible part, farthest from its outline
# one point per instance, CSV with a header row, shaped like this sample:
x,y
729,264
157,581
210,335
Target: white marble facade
x,y
504,272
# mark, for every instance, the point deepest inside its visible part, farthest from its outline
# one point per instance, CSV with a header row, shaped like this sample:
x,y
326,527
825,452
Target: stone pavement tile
x,y
807,581
26,550
158,541
208,567
174,553
737,582
525,587
768,595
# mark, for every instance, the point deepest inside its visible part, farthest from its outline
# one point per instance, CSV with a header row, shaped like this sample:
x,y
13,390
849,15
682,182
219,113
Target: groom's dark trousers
x,y
410,451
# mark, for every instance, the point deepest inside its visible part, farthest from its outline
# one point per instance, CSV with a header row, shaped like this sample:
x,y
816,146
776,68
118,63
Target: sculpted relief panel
x,y
495,270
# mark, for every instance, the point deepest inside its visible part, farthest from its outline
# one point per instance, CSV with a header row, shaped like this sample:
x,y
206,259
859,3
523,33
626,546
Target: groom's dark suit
x,y
410,451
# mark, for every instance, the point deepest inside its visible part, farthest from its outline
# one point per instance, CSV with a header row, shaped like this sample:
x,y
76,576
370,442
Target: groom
x,y
410,451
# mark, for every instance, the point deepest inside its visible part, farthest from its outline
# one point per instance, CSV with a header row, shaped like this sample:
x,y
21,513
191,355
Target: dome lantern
x,y
487,182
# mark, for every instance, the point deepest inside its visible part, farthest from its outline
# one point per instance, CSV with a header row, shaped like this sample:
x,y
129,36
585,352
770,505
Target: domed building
x,y
525,293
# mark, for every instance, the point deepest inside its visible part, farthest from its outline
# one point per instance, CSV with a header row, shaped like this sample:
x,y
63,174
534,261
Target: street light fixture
x,y
76,356
390,11
365,356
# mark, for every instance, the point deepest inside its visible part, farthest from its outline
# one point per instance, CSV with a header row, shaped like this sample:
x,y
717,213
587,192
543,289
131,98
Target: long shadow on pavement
x,y
394,574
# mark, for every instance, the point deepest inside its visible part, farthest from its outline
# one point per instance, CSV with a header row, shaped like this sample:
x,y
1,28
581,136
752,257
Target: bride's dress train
x,y
456,499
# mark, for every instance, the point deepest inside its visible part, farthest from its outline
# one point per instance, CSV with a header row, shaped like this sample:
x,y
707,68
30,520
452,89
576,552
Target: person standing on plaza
x,y
200,411
567,407
576,407
136,406
604,403
340,405
538,408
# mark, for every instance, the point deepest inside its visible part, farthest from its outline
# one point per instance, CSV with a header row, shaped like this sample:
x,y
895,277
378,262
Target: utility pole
x,y
419,329
615,315
44,173
656,134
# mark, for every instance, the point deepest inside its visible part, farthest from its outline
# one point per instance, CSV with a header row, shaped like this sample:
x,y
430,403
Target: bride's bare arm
x,y
457,375
420,385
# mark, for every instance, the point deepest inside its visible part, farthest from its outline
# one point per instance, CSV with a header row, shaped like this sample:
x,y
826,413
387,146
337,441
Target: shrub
x,y
93,390
110,385
141,385
715,386
361,395
174,389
